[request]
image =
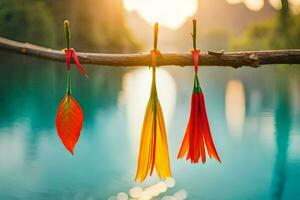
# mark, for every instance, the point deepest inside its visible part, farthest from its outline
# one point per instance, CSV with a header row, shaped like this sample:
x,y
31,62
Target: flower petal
x,y
185,142
201,129
146,159
197,139
212,152
162,162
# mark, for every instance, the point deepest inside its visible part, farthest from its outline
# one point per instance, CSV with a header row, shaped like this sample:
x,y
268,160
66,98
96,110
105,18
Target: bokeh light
x,y
254,5
295,6
235,1
152,191
235,107
276,4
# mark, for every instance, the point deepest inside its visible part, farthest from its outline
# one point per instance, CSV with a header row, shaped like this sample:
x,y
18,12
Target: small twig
x,y
215,53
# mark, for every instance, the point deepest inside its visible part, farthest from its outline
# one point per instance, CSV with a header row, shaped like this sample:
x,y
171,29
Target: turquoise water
x,y
254,116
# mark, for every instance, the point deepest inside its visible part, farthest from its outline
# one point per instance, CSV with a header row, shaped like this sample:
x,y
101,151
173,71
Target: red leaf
x,y
69,120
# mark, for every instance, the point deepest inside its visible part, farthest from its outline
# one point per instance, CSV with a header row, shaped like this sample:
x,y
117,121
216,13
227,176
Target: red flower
x,y
198,139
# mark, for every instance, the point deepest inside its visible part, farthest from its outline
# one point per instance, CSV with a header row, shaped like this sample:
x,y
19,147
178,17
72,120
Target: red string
x,y
196,54
71,53
68,57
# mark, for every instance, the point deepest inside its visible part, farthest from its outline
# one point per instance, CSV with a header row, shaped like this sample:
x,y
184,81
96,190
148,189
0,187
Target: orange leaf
x,y
69,120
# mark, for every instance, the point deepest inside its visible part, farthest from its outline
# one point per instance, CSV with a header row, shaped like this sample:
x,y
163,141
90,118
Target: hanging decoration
x,y
69,116
197,139
153,150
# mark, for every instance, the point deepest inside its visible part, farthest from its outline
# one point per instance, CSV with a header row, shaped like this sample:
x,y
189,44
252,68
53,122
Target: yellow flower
x,y
153,145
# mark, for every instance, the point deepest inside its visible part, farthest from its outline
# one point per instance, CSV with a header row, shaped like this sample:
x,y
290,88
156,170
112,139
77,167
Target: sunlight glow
x,y
235,106
169,13
256,5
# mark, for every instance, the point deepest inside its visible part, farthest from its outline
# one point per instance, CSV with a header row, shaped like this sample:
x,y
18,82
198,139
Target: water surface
x,y
254,116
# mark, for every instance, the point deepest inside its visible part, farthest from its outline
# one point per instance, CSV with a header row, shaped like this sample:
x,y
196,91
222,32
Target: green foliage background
x,y
282,32
41,22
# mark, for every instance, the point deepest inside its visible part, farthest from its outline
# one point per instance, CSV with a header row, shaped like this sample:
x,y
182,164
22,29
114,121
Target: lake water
x,y
254,116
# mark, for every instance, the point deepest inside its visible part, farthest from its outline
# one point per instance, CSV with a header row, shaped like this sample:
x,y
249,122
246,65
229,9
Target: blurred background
x,y
254,113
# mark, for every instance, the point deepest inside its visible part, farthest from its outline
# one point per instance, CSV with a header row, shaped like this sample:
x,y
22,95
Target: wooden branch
x,y
233,59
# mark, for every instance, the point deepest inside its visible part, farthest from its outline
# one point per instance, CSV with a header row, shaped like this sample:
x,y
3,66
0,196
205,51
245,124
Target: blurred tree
x,y
97,25
284,12
280,38
257,36
30,21
216,39
280,32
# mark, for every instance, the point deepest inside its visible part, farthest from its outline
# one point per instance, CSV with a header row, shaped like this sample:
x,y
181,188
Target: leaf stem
x,y
68,41
194,34
67,33
155,36
69,81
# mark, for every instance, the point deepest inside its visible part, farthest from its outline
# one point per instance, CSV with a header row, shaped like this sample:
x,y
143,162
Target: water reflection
x,y
282,134
135,94
294,96
12,141
267,127
264,163
235,106
153,191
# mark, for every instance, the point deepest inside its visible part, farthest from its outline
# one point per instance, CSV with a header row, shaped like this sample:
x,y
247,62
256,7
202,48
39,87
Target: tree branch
x,y
233,59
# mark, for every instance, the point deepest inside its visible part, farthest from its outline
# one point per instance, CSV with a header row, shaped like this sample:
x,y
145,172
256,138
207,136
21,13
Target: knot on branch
x,y
254,60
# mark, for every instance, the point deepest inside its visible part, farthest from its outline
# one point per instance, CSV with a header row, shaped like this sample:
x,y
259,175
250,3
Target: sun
x,y
169,13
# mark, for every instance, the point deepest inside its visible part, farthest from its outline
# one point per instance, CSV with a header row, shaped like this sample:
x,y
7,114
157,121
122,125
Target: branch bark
x,y
233,59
